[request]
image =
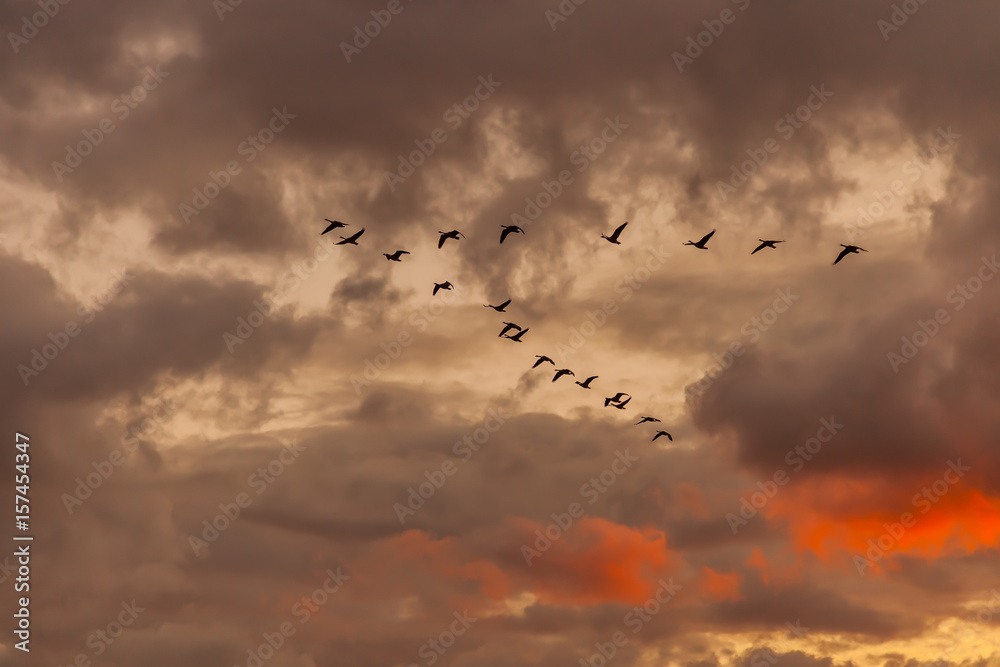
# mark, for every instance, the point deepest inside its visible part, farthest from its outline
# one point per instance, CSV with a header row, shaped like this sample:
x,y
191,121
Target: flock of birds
x,y
621,399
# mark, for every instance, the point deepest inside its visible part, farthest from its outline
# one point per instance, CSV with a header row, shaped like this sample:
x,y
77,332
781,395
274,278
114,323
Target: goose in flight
x,y
350,240
765,244
614,399
507,327
541,360
499,308
441,286
586,383
334,224
395,257
614,236
701,244
508,230
453,234
659,433
562,371
643,420
847,250
621,406
517,337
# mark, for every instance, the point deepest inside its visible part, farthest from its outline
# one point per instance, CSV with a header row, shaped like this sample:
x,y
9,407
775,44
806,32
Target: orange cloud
x,y
718,587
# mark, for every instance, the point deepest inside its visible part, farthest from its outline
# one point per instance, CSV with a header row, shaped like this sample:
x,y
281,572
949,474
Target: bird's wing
x,y
436,288
618,231
670,437
760,247
504,234
330,228
505,303
843,253
442,240
358,235
403,252
707,236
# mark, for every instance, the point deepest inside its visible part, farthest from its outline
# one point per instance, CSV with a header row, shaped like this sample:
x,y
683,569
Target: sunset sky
x,y
252,447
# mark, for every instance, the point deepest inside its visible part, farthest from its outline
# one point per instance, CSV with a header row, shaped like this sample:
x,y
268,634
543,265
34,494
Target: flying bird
x,y
659,433
586,383
541,360
621,406
499,308
441,286
453,234
562,371
508,230
765,244
350,240
701,244
395,257
507,327
517,337
643,420
847,250
614,236
334,224
614,399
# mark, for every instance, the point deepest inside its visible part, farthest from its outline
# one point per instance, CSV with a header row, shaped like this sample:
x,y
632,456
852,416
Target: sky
x,y
250,446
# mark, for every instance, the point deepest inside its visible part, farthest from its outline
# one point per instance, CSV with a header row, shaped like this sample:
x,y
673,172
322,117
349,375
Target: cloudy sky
x,y
249,446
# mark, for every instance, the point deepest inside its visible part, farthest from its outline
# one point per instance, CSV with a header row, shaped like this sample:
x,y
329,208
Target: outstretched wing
x,y
760,247
507,231
442,240
843,253
706,237
619,231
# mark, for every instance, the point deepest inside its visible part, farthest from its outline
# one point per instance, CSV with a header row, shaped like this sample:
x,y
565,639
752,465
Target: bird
x,y
441,286
453,234
659,433
621,406
847,250
643,420
508,230
507,327
395,257
350,240
765,244
541,360
701,244
334,224
517,337
586,383
562,371
499,308
614,399
614,236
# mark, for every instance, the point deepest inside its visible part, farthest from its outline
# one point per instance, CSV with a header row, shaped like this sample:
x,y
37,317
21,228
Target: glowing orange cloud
x,y
718,587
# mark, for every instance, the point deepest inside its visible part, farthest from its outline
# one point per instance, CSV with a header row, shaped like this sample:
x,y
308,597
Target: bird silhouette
x,y
643,420
350,240
614,236
508,230
507,327
441,286
586,383
621,406
334,224
541,360
395,257
453,234
765,244
517,337
614,399
701,244
499,308
562,371
659,433
847,250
